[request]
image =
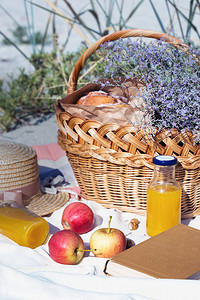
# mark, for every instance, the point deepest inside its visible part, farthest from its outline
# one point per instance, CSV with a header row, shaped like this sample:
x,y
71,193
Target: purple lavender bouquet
x,y
171,77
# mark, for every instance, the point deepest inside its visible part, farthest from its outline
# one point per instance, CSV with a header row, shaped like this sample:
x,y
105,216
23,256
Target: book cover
x,y
174,253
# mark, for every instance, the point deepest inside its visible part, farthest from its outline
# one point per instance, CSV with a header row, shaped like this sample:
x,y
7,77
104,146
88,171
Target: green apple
x,y
107,242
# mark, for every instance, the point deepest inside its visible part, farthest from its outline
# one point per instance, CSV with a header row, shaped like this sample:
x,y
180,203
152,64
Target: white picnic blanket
x,y
27,274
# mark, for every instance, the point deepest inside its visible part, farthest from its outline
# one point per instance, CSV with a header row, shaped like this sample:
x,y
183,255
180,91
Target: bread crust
x,y
98,98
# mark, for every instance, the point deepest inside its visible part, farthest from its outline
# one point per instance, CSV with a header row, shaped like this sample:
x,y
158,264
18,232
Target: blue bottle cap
x,y
164,160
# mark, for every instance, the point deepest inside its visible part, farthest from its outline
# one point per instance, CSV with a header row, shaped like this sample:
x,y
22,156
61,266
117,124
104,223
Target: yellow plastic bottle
x,y
163,196
22,226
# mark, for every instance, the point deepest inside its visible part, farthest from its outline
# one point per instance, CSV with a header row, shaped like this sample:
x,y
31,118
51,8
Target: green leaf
x,y
134,10
71,20
157,16
121,23
108,16
170,16
188,20
95,15
13,19
12,43
191,17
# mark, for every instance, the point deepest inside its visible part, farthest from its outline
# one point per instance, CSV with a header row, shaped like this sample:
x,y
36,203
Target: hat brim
x,y
46,204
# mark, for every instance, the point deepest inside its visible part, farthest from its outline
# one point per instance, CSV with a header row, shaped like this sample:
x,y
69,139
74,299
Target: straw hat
x,y
19,179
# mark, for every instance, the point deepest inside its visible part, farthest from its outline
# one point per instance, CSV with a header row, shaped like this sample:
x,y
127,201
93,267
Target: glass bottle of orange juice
x,y
22,226
163,196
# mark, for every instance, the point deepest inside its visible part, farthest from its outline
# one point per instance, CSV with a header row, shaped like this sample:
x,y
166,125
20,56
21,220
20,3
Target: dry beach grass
x,y
43,130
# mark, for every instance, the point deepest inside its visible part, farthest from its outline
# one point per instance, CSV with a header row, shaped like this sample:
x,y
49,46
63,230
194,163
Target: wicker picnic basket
x,y
113,165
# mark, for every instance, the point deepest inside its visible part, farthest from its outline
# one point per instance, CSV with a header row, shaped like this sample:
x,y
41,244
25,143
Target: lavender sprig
x,y
171,77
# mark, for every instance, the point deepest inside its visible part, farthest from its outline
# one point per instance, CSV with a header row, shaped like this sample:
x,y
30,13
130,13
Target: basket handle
x,y
73,78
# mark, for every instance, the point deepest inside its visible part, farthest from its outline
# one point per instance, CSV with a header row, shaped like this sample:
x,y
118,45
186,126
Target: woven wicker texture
x,y
19,169
18,165
47,203
113,164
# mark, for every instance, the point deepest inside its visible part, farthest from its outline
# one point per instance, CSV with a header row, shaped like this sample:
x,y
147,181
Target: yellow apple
x,y
107,242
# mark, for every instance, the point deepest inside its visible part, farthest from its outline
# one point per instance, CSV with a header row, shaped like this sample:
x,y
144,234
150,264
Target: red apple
x,y
107,242
78,216
66,247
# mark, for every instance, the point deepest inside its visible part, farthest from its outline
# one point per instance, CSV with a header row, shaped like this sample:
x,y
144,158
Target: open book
x,y
174,253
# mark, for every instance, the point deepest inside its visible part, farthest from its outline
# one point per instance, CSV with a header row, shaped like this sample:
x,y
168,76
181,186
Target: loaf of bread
x,y
100,98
